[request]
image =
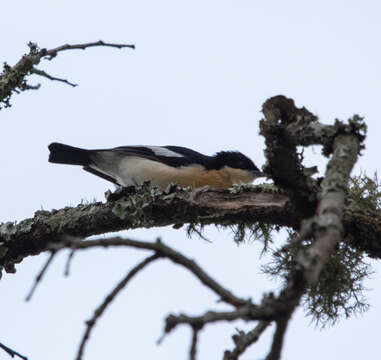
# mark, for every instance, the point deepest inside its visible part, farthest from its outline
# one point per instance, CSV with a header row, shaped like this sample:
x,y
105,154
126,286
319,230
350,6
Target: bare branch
x,y
13,78
68,262
276,347
12,353
109,298
53,52
161,250
270,309
172,321
40,275
243,341
193,348
46,75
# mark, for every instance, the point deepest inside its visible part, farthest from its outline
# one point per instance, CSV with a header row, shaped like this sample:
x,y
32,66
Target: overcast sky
x,y
198,77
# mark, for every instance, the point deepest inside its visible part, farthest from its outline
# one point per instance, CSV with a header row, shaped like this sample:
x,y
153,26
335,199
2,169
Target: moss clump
x,y
339,291
364,194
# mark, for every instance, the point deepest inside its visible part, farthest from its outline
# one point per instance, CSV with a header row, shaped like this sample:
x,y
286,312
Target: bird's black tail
x,y
65,154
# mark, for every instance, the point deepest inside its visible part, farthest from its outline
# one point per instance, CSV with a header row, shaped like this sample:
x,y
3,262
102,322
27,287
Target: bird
x,y
160,165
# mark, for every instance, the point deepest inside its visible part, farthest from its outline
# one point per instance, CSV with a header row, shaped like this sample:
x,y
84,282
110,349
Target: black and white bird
x,y
161,165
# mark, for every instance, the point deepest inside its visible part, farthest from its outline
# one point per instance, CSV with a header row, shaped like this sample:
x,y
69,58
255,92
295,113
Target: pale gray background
x,y
198,78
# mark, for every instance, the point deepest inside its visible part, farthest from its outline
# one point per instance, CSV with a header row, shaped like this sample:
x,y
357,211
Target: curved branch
x,y
284,164
161,250
107,301
285,127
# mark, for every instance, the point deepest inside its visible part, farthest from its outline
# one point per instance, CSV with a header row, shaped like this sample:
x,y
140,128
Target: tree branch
x,y
244,308
284,164
53,52
109,298
278,338
193,348
327,230
147,208
242,341
46,75
161,250
40,275
12,353
13,79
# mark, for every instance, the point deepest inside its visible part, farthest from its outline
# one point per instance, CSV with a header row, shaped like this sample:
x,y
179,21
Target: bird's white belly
x,y
135,171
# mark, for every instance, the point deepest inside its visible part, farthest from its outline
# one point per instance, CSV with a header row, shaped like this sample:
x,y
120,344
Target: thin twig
x,y
68,262
11,352
107,301
53,52
45,74
243,340
193,348
165,251
278,339
172,321
40,275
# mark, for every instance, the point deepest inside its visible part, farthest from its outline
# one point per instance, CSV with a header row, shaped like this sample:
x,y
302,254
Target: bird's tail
x,y
65,154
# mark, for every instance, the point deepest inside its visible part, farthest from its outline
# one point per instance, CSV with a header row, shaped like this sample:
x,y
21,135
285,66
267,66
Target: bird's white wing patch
x,y
162,151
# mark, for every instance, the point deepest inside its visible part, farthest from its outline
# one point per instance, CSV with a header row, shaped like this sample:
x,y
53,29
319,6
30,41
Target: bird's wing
x,y
175,156
100,174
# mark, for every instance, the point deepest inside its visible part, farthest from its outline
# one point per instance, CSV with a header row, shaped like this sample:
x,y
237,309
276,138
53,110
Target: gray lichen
x,y
340,291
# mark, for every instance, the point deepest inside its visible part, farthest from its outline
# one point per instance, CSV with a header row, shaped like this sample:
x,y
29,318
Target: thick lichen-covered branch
x,y
146,207
13,78
326,229
283,162
285,127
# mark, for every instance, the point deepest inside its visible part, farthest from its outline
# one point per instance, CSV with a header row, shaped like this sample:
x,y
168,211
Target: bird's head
x,y
237,160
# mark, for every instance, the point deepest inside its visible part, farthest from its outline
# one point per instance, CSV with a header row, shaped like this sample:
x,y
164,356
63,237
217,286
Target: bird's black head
x,y
236,160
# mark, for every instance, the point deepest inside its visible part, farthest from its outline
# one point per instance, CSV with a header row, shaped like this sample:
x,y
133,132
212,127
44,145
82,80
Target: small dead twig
x,y
53,78
278,338
109,298
53,52
243,340
68,262
193,348
40,275
12,353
